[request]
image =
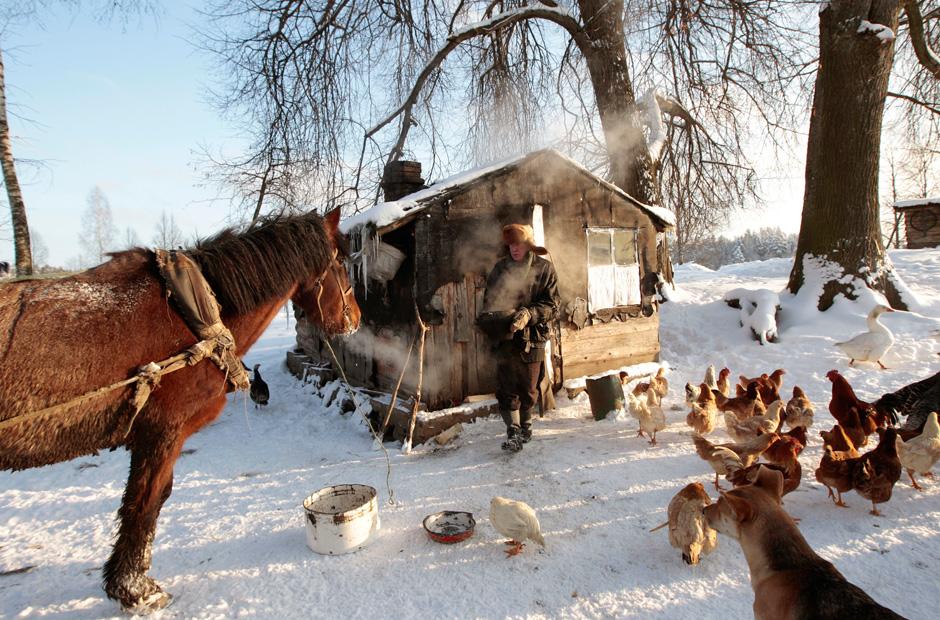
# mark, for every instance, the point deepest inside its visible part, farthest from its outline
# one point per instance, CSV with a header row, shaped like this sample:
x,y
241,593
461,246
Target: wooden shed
x,y
921,222
609,251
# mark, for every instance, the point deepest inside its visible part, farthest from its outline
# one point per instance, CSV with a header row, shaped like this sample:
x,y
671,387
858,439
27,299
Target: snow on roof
x,y
387,213
916,202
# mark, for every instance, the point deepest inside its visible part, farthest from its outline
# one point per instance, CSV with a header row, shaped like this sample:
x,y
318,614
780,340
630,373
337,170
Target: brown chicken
x,y
780,449
798,434
723,460
660,383
852,425
800,410
742,407
790,468
723,383
838,440
844,399
878,471
768,385
704,412
837,471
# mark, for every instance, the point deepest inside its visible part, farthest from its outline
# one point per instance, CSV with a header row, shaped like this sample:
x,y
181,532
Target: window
x,y
613,270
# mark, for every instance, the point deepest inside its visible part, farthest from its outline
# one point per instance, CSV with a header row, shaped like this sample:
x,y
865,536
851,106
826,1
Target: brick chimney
x,y
401,178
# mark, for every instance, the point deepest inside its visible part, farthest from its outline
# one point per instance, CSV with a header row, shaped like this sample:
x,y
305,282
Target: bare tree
x,y
630,84
167,234
23,255
131,238
840,223
98,232
40,250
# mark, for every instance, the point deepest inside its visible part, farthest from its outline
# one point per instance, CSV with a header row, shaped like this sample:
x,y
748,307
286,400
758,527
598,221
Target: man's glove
x,y
520,319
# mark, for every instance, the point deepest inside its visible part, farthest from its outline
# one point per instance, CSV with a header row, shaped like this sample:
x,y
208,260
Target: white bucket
x,y
341,518
386,262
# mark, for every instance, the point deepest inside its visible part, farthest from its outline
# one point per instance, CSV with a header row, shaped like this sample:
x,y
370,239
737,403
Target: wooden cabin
x,y
429,249
921,222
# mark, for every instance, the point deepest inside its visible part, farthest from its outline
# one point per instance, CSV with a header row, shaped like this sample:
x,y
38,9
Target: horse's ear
x,y
332,219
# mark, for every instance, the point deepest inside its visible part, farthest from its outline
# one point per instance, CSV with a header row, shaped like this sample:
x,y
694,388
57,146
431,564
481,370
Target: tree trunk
x,y
24,256
631,168
841,222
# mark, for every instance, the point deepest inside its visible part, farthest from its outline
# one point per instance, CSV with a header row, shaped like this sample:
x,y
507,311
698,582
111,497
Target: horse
x,y
70,336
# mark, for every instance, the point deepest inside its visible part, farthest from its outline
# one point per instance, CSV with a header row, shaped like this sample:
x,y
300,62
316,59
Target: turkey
x,y
259,391
915,401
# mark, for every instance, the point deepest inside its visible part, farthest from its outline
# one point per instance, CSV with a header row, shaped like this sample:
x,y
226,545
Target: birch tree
x,y
98,233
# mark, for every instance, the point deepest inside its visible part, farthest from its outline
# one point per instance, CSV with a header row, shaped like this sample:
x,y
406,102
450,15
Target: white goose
x,y
870,346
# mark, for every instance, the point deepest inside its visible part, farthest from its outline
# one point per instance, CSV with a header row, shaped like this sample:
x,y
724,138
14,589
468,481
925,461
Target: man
x,y
523,286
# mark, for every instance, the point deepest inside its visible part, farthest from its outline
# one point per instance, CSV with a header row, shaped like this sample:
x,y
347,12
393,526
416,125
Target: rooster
x,y
844,400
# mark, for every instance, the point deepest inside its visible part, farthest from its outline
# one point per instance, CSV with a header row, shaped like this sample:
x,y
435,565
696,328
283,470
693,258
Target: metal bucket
x,y
341,518
605,394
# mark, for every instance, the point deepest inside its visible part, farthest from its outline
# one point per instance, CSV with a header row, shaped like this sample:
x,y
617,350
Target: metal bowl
x,y
449,526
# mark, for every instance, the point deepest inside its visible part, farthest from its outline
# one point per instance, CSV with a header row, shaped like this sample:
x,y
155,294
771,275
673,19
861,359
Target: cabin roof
x,y
902,205
390,215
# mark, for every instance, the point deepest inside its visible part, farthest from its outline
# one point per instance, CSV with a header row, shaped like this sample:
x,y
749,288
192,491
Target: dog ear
x,y
770,481
742,509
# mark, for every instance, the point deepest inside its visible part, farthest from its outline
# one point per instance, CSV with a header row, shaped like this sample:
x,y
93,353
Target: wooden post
x,y
391,404
406,447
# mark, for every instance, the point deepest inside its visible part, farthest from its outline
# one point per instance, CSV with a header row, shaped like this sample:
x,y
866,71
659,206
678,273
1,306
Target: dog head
x,y
737,508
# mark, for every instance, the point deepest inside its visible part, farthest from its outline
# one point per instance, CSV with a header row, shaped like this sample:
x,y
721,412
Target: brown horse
x,y
66,337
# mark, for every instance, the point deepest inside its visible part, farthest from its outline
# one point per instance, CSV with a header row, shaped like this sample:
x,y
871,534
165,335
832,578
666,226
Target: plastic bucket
x,y
386,262
605,394
341,518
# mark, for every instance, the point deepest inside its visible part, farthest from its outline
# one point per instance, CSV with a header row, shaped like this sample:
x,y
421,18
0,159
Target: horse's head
x,y
327,298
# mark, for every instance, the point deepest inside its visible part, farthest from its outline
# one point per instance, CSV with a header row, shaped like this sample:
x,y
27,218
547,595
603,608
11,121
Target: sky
x,y
125,108
120,107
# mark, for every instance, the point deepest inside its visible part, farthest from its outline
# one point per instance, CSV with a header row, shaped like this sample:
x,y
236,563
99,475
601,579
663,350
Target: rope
x,y
352,393
147,378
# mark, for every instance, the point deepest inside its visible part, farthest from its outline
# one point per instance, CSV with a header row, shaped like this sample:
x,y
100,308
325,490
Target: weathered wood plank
x,y
463,326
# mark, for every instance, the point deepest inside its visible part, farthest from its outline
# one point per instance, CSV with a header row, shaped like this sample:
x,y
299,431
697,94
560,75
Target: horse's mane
x,y
248,268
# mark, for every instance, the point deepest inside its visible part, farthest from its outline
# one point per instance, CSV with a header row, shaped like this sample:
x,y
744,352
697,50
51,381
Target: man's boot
x,y
525,426
513,441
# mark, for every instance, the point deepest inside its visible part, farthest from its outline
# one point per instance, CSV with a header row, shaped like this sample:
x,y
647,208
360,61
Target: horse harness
x,y
339,285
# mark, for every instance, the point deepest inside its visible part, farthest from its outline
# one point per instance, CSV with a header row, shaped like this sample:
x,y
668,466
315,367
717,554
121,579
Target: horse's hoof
x,y
145,605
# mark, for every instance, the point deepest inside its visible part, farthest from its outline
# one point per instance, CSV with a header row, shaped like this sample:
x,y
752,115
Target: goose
x,y
870,346
259,392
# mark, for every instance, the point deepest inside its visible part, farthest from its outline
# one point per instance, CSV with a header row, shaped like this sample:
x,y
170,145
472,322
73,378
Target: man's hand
x,y
520,319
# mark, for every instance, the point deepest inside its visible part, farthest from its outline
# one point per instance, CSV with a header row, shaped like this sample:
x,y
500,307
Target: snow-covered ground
x,y
230,541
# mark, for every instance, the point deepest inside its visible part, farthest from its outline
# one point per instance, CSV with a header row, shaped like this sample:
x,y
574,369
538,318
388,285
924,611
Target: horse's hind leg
x,y
148,486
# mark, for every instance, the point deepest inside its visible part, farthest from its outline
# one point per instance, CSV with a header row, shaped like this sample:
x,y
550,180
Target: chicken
x,y
872,345
704,412
688,531
710,380
838,440
844,399
727,458
783,445
879,470
516,521
259,391
742,407
768,386
648,410
758,424
791,469
797,434
920,453
724,384
692,393
852,426
723,460
836,471
800,411
660,383
915,401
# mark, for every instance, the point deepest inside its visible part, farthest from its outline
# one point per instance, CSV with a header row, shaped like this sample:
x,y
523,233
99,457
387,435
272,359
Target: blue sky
x,y
121,107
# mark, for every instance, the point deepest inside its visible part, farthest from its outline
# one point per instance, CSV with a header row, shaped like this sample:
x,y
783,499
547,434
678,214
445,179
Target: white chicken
x,y
919,454
647,409
688,530
517,521
872,345
711,379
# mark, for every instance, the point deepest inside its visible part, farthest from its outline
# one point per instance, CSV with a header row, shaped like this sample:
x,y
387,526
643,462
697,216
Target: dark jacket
x,y
530,283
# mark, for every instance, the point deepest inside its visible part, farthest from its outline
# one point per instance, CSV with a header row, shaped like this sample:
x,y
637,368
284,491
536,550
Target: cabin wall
x,y
922,225
608,346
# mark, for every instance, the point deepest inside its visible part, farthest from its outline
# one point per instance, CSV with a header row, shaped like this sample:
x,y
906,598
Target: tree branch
x,y
923,104
503,20
926,56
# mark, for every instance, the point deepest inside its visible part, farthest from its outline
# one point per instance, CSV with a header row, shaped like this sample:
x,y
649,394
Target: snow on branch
x,y
885,34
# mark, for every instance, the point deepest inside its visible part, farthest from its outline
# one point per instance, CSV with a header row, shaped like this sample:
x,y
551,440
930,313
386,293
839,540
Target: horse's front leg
x,y
148,486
